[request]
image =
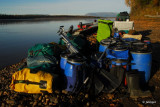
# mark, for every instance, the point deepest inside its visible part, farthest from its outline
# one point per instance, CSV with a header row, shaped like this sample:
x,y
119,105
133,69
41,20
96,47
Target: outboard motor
x,y
74,72
141,59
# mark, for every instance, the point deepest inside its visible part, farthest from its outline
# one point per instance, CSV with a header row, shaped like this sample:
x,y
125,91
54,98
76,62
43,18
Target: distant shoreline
x,y
44,17
40,17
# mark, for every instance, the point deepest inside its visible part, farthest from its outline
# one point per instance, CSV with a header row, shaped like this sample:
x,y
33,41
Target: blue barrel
x,y
129,39
141,61
105,43
63,60
118,51
74,72
118,54
121,58
119,62
146,40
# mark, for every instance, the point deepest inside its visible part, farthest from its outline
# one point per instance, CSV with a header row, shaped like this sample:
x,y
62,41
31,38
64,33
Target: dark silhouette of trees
x,y
5,16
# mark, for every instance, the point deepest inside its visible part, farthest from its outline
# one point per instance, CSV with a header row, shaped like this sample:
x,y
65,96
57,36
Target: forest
x,y
143,7
6,16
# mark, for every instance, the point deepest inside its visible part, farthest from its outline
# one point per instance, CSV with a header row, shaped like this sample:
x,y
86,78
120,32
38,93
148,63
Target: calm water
x,y
17,37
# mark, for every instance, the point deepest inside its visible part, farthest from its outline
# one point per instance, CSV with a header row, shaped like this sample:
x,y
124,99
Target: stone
x,y
35,103
43,100
140,105
54,99
112,105
46,96
1,93
47,101
11,97
57,91
88,104
2,78
50,104
20,105
40,98
110,96
64,91
11,102
39,104
31,103
86,96
3,105
5,93
35,96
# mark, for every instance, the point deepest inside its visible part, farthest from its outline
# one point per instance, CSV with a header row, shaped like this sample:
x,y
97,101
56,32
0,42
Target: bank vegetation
x,y
140,8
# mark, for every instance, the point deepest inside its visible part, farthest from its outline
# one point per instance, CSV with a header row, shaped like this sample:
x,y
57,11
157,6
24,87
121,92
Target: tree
x,y
130,3
156,2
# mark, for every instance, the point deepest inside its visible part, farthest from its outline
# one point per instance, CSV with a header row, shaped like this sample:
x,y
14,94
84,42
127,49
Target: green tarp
x,y
76,41
104,29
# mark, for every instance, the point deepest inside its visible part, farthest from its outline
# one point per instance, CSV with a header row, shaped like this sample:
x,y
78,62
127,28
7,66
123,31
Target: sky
x,y
61,7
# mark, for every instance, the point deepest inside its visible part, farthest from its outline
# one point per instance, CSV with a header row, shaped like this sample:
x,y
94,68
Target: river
x,y
16,37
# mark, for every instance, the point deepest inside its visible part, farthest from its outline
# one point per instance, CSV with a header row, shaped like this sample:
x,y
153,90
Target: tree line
x,y
5,16
143,5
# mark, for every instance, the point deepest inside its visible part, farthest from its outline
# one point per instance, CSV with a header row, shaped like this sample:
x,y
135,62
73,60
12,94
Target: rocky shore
x,y
120,97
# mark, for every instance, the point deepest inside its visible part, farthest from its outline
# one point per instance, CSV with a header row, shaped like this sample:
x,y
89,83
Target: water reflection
x,y
17,36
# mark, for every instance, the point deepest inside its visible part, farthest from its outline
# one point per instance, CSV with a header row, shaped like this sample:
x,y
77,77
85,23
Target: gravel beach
x,y
147,27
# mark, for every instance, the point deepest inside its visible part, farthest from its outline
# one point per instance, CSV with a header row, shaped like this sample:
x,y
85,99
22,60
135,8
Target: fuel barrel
x,y
105,43
141,59
74,72
63,60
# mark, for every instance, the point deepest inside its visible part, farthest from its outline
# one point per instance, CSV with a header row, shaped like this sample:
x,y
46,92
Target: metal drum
x,y
74,72
63,60
141,59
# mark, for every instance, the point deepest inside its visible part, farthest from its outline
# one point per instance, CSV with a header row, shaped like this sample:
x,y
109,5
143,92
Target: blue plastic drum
x,y
74,72
118,51
118,55
142,62
105,43
63,60
146,40
121,58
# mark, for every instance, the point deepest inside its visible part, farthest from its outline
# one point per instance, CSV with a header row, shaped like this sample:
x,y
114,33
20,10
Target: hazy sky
x,y
72,7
